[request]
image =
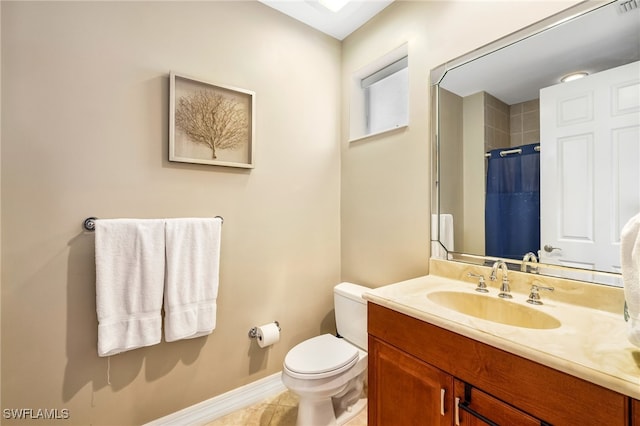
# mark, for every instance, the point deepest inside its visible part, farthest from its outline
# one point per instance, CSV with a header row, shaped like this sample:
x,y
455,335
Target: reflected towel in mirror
x,y
446,234
630,262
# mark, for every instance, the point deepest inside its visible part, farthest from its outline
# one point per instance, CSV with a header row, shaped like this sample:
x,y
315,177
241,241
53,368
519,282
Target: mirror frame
x,y
438,250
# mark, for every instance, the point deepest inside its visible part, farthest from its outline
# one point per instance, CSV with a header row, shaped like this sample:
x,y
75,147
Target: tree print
x,y
211,119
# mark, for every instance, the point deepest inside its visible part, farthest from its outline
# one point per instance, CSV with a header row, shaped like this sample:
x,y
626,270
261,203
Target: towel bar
x,y
89,223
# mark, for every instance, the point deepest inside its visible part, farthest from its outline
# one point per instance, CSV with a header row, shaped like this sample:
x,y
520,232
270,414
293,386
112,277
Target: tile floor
x,y
281,410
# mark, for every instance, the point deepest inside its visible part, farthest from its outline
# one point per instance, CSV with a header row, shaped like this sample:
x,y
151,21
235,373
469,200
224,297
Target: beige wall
x,y
451,119
85,125
84,132
385,179
0,209
474,173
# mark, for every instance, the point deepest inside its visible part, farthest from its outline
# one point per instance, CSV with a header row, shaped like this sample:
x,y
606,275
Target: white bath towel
x,y
630,262
191,287
129,283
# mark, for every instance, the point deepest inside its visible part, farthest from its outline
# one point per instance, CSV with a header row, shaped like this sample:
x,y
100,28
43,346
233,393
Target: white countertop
x,y
590,344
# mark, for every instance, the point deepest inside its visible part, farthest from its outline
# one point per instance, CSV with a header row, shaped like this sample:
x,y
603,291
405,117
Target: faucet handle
x,y
505,289
534,296
482,285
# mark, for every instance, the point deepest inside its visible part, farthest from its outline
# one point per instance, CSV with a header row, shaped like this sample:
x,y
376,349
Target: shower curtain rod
x,y
511,151
89,223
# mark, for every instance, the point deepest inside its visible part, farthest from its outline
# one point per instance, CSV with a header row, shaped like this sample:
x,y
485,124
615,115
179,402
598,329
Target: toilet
x,y
328,373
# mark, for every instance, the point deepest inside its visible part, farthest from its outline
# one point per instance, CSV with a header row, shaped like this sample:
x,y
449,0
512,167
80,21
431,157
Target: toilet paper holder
x,y
253,332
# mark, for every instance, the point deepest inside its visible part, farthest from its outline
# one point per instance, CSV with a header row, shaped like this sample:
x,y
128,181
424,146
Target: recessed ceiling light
x,y
574,76
334,5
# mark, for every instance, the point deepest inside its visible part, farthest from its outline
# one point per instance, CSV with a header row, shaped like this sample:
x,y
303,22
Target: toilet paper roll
x,y
268,334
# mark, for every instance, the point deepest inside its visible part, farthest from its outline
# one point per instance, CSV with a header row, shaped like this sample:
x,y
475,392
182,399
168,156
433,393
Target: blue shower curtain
x,y
512,208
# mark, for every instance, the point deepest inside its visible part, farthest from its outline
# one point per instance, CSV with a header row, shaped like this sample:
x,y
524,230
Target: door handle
x,y
548,248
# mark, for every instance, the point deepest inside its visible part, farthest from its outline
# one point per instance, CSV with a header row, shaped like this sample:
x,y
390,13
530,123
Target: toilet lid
x,y
321,354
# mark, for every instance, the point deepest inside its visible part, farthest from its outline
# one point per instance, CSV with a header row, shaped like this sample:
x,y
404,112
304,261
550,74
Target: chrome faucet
x,y
529,257
504,287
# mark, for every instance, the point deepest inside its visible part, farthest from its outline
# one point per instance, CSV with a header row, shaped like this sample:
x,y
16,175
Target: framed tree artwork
x,y
210,123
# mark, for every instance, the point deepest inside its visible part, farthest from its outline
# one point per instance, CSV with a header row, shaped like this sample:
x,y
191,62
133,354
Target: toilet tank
x,y
351,313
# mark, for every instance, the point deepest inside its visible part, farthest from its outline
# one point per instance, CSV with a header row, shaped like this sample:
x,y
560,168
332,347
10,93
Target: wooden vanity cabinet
x,y
412,361
635,412
472,407
406,388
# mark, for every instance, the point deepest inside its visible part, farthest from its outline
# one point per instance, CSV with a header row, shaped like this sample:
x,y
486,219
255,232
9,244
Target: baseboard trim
x,y
221,405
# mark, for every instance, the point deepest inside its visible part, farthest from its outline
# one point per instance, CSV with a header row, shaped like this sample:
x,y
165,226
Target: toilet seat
x,y
320,357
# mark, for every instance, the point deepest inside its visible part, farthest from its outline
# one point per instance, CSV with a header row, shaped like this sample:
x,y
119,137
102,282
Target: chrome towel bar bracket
x,y
89,224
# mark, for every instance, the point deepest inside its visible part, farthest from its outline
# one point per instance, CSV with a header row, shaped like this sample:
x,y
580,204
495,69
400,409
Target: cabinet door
x,y
476,408
406,391
635,412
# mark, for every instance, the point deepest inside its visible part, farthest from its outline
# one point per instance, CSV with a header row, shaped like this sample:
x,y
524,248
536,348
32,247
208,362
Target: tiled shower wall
x,y
496,124
510,125
524,122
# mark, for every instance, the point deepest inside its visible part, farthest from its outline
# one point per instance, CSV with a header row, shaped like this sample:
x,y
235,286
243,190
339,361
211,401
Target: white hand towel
x,y
129,283
630,263
191,287
446,229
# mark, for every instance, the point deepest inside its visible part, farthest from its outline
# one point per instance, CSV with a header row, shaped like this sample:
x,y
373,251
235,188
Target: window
x,y
386,97
380,95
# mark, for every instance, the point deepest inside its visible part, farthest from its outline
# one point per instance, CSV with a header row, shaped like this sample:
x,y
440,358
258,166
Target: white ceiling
x,y
336,24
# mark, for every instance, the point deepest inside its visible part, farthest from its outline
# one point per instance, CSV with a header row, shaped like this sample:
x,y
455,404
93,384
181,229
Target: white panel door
x,y
589,167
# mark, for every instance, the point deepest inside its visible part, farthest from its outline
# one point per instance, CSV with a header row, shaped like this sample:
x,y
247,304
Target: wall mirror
x,y
526,163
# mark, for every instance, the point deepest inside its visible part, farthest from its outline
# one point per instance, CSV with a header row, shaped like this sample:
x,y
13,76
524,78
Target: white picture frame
x,y
210,123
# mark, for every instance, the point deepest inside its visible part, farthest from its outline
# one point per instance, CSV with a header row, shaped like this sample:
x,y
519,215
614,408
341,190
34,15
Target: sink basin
x,y
494,309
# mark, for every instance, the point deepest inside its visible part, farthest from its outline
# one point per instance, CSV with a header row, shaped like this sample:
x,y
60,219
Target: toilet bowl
x,y
328,373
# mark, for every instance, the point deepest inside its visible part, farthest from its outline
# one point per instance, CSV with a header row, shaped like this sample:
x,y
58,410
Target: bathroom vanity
x,y
441,353
431,365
